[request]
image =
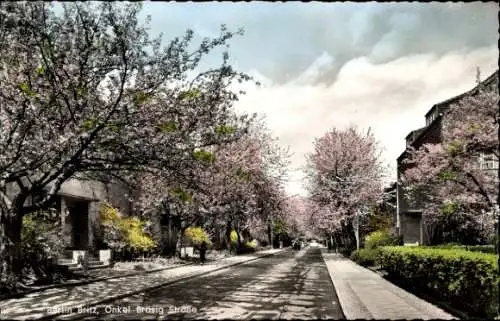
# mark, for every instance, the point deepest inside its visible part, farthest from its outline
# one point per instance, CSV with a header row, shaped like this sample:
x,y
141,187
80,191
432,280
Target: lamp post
x,y
398,219
356,218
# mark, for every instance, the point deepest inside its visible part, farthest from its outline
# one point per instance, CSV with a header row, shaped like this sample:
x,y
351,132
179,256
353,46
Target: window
x,y
476,160
431,117
488,161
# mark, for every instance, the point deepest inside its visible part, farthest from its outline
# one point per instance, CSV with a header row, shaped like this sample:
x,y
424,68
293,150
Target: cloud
x,y
323,65
282,40
391,98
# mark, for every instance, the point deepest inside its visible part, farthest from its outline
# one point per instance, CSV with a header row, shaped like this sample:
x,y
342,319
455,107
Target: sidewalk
x,y
57,301
363,294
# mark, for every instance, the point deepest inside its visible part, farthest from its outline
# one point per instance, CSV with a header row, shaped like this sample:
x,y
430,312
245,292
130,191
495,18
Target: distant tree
x,y
345,176
231,187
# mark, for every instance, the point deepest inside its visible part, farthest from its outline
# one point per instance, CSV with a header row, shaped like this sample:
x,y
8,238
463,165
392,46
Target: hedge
x,y
465,279
365,257
378,238
473,248
373,241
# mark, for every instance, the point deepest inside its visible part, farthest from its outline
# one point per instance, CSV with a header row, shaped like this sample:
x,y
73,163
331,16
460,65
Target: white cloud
x,y
317,68
391,98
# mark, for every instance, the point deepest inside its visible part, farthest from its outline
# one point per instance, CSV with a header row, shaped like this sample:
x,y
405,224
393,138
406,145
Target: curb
x,y
77,283
184,278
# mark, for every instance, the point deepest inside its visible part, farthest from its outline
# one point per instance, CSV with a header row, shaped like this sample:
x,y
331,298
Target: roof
x,y
403,154
493,77
449,101
452,100
417,132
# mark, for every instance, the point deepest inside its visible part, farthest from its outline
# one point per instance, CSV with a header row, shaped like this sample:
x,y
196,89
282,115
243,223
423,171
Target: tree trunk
x,y
178,245
170,248
11,262
228,235
270,233
218,239
180,235
238,246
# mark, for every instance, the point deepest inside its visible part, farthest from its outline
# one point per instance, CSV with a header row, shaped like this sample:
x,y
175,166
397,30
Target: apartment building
x,y
409,218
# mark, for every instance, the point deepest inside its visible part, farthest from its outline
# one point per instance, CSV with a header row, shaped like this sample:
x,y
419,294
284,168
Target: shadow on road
x,y
276,287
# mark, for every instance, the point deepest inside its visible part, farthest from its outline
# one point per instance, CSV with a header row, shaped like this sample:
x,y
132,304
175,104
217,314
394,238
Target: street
x,y
290,285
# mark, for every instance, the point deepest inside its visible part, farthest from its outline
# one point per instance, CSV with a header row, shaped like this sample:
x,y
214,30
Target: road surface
x,y
290,285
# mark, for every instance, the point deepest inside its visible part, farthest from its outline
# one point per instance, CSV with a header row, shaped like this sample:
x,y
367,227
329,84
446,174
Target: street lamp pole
x,y
398,219
357,228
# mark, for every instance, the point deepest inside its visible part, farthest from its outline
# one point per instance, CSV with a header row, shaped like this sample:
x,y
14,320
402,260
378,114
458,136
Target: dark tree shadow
x,y
276,287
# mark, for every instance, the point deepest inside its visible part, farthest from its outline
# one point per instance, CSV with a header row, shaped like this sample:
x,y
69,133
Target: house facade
x,y
78,203
409,218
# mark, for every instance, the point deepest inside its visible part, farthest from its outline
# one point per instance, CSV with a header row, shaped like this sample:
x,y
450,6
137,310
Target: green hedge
x,y
473,248
378,238
365,257
465,279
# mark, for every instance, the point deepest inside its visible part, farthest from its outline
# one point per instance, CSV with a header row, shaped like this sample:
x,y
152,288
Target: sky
x,y
324,65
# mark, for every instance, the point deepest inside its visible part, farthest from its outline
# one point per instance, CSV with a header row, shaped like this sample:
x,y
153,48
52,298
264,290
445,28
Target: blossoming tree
x,y
231,187
345,174
448,179
87,91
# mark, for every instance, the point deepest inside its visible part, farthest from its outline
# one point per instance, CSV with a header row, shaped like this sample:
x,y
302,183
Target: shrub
x,y
137,239
248,247
491,249
378,238
365,257
251,244
41,245
125,236
473,248
467,280
114,236
194,236
233,237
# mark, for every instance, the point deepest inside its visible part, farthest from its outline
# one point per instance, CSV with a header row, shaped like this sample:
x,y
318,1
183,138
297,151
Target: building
x,y
409,219
78,203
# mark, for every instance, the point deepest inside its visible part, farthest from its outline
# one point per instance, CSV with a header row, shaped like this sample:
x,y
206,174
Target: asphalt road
x,y
290,285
